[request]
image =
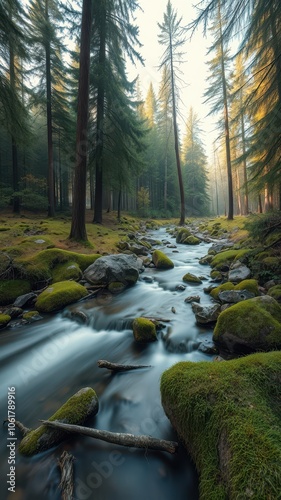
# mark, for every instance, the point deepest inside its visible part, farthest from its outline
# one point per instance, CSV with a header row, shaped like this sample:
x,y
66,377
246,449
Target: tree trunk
x,y
119,205
51,182
100,125
245,175
182,204
16,200
226,127
78,225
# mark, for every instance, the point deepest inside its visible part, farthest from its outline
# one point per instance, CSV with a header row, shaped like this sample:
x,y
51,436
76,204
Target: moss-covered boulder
x,y
11,289
191,278
191,240
76,410
228,417
249,285
4,320
182,234
216,275
66,271
144,330
275,292
227,256
59,295
252,325
221,288
161,261
31,316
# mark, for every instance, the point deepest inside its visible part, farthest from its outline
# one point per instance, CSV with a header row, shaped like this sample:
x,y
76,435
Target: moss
x,y
40,266
249,285
228,416
116,287
11,289
161,261
271,263
254,323
275,292
215,275
30,315
59,295
221,288
191,278
144,330
4,320
228,256
191,240
66,271
182,234
75,411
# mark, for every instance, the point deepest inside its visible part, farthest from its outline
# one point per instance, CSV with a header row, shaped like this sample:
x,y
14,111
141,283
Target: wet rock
x,y
14,312
206,260
192,298
208,347
79,316
180,288
123,268
25,300
161,261
206,314
144,330
148,279
191,278
238,272
234,296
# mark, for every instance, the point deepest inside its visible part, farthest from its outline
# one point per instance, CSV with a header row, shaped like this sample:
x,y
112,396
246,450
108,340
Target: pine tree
x,y
173,38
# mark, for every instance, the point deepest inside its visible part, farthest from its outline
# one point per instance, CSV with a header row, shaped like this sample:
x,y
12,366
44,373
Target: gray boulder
x,y
25,300
238,272
114,268
234,296
206,314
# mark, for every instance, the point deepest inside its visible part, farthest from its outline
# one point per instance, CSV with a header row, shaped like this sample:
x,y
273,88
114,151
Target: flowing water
x,y
50,360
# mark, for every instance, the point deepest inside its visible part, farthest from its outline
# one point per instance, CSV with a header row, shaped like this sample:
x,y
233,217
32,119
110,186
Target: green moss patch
x,y
191,240
228,256
4,320
66,271
59,295
251,325
249,285
11,289
228,416
275,292
182,235
191,278
161,261
221,288
31,315
144,330
75,411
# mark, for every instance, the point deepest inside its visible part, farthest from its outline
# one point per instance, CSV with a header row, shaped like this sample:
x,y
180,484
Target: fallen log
x,y
102,363
65,463
122,439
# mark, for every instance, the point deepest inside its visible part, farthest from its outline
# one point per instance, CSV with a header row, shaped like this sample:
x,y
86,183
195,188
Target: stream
x,y
48,361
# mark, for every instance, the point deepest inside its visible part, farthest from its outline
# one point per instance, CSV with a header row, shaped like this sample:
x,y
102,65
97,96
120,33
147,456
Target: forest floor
x,y
26,229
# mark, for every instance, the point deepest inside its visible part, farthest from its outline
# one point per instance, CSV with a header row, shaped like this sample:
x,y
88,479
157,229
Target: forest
x,y
77,133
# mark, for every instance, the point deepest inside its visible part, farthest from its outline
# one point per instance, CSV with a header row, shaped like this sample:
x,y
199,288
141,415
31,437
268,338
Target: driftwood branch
x,y
116,437
102,363
24,430
65,463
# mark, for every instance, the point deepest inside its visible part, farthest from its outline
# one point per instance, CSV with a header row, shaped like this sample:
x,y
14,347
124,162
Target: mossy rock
x,y
144,330
75,411
228,417
161,261
4,320
216,275
228,256
206,260
31,315
116,287
221,288
275,292
249,285
182,234
59,295
66,271
272,263
251,325
40,266
191,278
11,289
191,240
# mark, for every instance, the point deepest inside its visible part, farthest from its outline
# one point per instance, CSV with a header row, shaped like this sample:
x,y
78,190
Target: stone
x,y
111,268
191,278
238,272
161,261
192,298
234,296
25,300
208,347
59,295
206,314
14,312
180,288
144,330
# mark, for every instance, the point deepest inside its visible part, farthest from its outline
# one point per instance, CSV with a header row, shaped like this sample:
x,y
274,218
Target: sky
x,y
195,70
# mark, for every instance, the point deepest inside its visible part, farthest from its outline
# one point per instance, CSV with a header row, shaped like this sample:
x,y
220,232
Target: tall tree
x,y
78,226
218,95
172,36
